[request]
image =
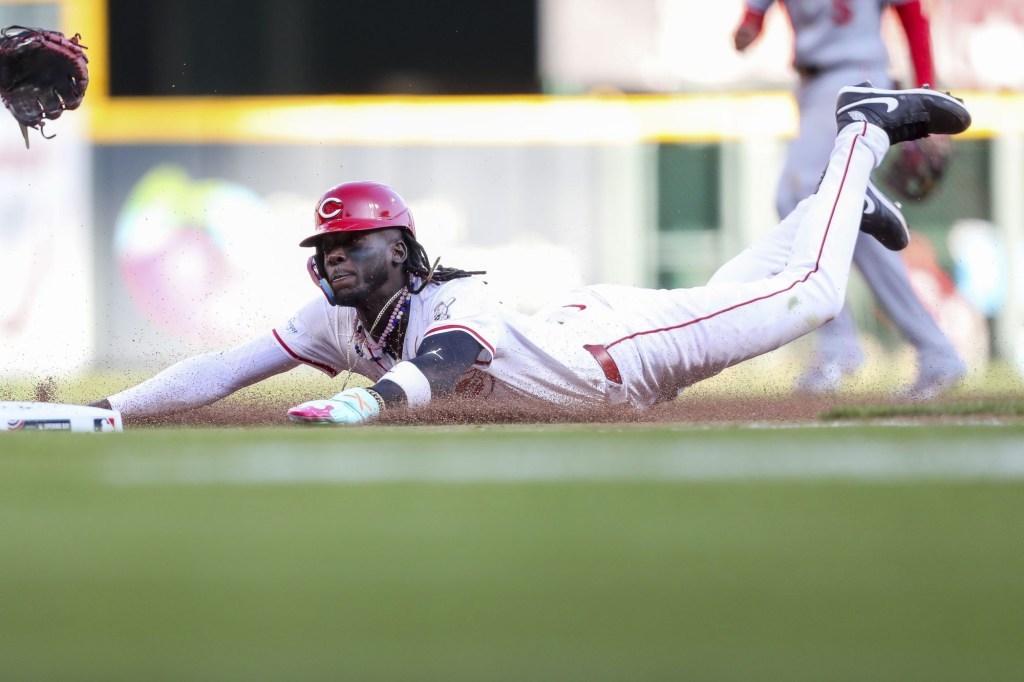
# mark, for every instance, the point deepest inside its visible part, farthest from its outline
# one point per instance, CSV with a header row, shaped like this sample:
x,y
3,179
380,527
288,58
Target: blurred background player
x,y
839,43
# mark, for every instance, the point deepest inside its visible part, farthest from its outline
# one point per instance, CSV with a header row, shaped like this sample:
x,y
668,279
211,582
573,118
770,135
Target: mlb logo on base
x,y
36,416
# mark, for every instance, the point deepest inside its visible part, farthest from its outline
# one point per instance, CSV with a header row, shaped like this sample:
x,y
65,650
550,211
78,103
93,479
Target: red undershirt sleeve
x,y
918,31
754,18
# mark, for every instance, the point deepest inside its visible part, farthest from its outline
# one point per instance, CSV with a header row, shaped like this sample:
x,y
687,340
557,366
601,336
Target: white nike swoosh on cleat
x,y
869,206
889,102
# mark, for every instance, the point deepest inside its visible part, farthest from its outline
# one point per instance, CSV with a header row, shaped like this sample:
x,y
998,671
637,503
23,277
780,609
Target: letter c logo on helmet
x,y
322,208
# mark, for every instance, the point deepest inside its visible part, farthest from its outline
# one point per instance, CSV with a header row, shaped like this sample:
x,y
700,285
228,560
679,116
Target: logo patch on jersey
x,y
290,326
475,384
442,310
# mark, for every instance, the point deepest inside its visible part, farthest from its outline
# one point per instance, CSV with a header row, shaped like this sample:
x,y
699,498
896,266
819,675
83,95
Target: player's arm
x,y
202,380
919,177
751,23
441,359
43,73
918,31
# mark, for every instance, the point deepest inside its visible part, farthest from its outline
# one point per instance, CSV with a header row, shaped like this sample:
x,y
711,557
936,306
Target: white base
x,y
30,416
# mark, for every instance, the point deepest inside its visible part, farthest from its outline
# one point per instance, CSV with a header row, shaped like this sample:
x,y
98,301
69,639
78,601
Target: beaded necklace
x,y
364,344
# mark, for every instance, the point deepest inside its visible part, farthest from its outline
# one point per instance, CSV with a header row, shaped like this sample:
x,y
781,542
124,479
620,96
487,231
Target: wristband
x,y
376,396
412,382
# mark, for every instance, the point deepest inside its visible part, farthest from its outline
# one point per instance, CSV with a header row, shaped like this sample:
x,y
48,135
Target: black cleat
x,y
903,114
884,221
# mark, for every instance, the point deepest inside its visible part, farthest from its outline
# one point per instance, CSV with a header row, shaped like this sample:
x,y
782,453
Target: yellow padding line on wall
x,y
499,120
570,120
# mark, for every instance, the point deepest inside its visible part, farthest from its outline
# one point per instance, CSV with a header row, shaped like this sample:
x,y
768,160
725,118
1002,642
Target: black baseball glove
x,y
917,167
42,74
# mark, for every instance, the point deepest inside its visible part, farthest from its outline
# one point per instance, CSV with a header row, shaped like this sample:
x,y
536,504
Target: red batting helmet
x,y
354,206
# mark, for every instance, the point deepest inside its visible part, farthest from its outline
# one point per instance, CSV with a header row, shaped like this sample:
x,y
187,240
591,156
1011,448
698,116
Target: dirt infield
x,y
796,408
742,401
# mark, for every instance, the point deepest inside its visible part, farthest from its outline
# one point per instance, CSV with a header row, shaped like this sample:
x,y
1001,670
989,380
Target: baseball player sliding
x,y
424,333
839,43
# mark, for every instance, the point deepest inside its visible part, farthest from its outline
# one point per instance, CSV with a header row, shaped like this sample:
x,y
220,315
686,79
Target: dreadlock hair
x,y
418,263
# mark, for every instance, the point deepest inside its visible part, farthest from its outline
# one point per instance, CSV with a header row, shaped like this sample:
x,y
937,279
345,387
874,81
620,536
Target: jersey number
x,y
841,12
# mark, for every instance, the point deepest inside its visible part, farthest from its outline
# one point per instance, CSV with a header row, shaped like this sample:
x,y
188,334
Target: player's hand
x,y
43,73
938,145
354,406
748,29
917,168
746,34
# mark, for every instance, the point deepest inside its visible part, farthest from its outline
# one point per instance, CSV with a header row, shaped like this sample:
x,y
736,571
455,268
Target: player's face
x,y
358,264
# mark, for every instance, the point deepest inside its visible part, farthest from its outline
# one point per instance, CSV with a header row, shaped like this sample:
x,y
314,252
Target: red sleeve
x,y
917,28
753,18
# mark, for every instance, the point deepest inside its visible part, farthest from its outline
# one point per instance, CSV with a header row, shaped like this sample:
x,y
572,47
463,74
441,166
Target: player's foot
x,y
903,114
825,378
932,382
884,221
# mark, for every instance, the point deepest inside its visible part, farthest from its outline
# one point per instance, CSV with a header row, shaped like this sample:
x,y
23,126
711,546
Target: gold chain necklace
x,y
367,337
381,313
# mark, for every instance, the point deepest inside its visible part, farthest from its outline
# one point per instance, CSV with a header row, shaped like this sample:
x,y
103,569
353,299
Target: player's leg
x,y
939,364
836,350
765,256
808,152
806,156
902,115
689,334
768,254
837,354
686,335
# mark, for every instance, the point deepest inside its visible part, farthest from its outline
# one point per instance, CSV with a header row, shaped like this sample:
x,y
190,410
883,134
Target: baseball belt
x,y
606,362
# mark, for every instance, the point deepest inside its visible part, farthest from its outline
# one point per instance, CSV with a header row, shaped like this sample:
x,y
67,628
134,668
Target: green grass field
x,y
514,553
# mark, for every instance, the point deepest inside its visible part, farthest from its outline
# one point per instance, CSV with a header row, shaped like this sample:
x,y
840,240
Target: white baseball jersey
x,y
829,33
522,356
